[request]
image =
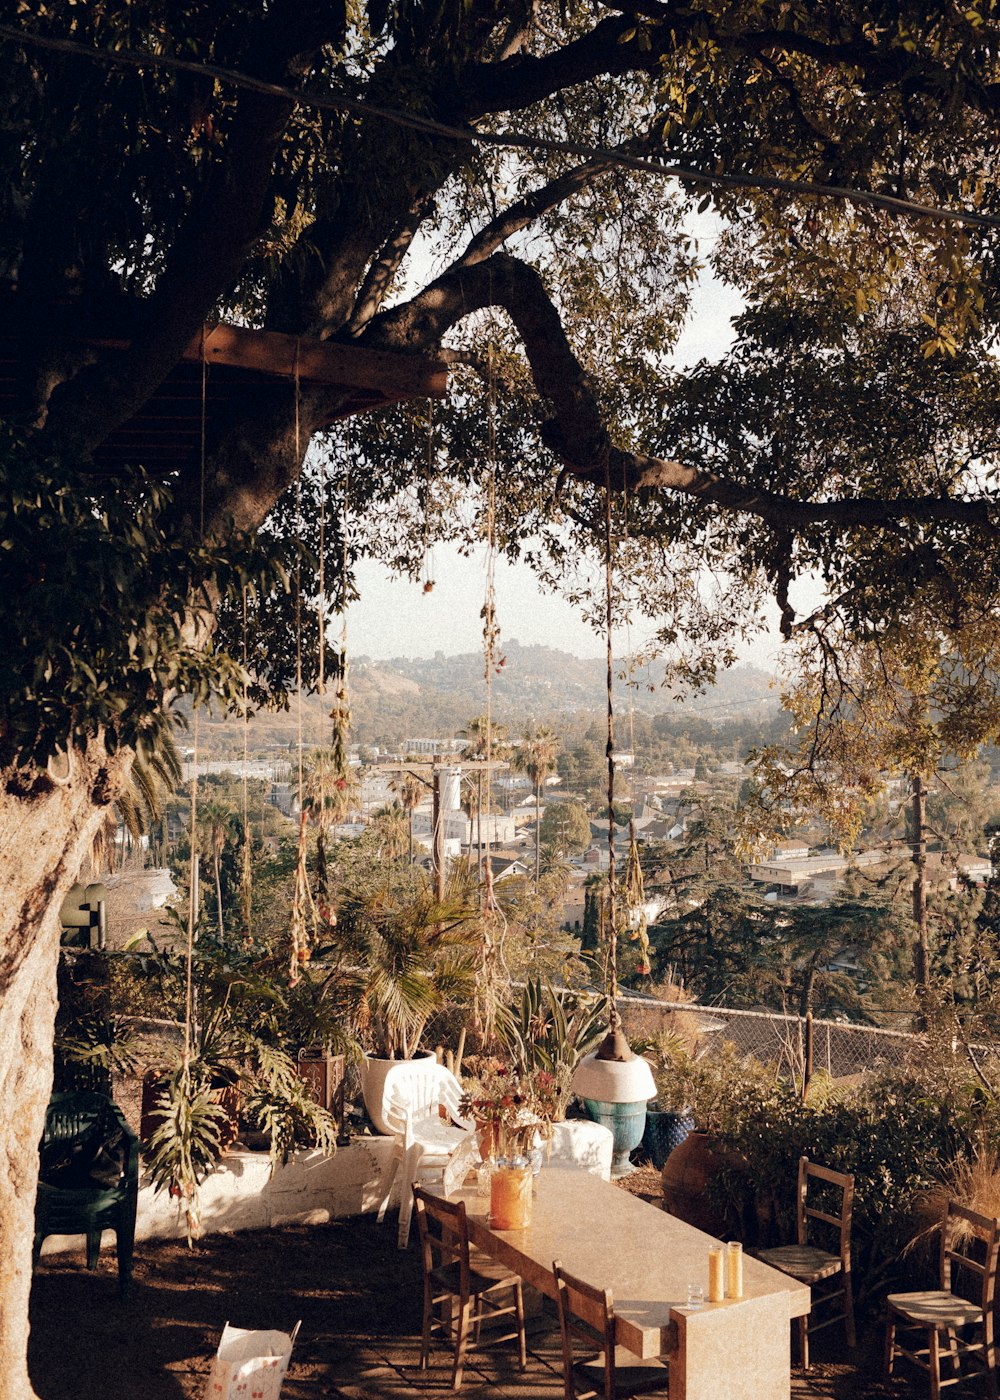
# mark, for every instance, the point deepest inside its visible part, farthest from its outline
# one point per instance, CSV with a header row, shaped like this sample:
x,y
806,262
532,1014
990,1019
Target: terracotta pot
x,y
225,1090
686,1175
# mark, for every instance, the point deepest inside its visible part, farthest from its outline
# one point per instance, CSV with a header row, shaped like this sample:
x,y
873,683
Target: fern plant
x,y
278,1102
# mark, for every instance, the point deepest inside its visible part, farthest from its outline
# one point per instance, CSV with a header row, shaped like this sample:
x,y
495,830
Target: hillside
x,y
406,698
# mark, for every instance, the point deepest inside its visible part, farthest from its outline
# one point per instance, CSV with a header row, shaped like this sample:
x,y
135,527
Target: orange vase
x,y
510,1197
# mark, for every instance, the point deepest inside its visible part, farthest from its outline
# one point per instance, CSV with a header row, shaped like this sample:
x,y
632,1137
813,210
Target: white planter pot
x,y
381,1079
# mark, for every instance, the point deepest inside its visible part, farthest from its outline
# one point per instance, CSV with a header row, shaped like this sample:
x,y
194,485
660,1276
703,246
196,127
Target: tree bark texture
x,y
46,829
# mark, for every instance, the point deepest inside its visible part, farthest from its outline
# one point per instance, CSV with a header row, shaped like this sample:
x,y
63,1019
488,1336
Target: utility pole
x,y
437,835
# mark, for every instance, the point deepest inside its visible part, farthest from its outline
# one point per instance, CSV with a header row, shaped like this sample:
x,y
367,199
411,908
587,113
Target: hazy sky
x,y
397,618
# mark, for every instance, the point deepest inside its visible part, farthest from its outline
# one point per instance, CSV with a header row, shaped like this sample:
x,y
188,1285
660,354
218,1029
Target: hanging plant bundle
x,y
246,887
303,921
634,892
188,1141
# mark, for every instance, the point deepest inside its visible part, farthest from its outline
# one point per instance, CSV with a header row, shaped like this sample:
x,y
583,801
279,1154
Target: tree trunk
x,y
218,895
46,829
538,833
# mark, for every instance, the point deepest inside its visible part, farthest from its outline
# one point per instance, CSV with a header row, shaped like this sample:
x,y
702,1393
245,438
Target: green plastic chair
x,y
90,1157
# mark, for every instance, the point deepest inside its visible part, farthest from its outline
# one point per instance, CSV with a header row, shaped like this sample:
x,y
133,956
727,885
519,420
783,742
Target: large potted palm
x,y
402,955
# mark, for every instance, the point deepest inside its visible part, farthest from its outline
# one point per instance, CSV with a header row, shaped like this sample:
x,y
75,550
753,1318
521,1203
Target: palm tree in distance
x,y
216,819
410,793
329,791
483,736
486,739
535,756
389,825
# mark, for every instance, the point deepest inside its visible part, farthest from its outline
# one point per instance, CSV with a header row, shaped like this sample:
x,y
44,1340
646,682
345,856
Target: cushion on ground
x,y
580,1143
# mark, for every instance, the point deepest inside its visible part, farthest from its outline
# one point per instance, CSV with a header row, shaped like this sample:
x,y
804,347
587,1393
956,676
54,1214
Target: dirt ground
x,y
358,1298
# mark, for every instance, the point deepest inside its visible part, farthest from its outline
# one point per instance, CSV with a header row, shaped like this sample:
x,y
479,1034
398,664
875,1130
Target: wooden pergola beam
x,y
391,376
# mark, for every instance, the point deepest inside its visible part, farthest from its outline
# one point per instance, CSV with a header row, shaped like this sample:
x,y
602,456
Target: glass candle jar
x,y
734,1269
716,1273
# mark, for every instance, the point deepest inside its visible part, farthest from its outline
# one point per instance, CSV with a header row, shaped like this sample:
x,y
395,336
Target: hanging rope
x,y
428,475
614,1019
192,911
246,860
633,888
302,901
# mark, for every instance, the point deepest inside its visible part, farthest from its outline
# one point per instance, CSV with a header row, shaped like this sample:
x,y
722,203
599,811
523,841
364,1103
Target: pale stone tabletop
x,y
647,1258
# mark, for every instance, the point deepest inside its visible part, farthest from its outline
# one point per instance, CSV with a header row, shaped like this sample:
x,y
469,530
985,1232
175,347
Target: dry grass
x,y
647,1023
974,1183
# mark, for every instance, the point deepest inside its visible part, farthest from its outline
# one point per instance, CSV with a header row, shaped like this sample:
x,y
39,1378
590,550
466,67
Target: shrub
x,y
900,1133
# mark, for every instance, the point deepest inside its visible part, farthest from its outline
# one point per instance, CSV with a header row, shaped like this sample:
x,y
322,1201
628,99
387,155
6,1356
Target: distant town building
x,y
819,875
285,797
792,874
432,747
267,771
506,864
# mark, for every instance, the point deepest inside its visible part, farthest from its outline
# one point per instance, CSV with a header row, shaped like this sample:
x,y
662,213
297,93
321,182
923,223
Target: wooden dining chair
x,y
970,1243
451,1274
587,1323
809,1264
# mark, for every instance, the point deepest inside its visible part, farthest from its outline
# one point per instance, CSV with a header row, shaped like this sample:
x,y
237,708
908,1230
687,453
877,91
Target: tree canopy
x,y
512,189
419,178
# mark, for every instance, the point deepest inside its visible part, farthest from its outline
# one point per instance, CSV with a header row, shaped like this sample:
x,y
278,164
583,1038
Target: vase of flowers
x,y
512,1112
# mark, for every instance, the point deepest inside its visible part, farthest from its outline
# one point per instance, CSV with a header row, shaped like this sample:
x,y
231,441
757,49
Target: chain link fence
x,y
842,1049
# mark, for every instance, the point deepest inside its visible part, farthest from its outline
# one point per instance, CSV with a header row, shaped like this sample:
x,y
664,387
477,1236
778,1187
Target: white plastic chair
x,y
424,1141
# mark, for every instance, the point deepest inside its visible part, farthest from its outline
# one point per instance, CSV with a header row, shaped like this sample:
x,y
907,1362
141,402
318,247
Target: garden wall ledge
x,y
242,1194
310,1188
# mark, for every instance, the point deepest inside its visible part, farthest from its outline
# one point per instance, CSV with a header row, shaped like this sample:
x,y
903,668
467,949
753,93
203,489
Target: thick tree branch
x,y
525,211
379,277
208,254
509,140
576,434
506,282
524,80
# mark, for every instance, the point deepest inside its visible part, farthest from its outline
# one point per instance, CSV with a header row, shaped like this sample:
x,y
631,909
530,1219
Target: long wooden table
x,y
735,1350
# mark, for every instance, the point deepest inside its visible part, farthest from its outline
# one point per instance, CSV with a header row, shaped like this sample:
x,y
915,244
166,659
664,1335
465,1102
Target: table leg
x,y
739,1350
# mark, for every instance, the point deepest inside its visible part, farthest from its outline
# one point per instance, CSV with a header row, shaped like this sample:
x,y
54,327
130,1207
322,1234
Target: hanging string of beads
x,y
177,1100
611,925
340,714
333,768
